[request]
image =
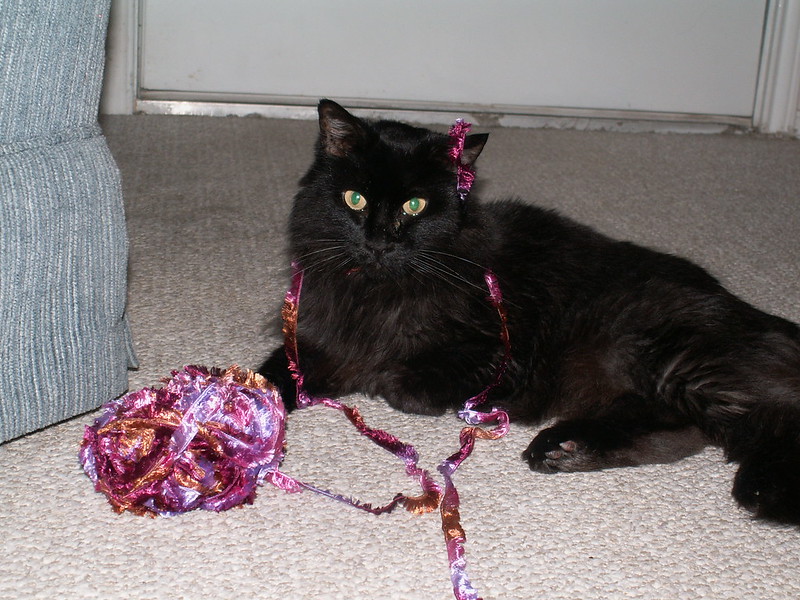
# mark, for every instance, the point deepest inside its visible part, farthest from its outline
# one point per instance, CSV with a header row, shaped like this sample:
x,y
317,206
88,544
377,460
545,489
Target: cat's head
x,y
380,198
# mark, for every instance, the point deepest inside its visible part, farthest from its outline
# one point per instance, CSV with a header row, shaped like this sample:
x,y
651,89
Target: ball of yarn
x,y
205,440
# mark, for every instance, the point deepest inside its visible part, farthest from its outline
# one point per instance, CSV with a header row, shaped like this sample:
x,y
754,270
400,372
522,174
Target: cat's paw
x,y
769,489
560,448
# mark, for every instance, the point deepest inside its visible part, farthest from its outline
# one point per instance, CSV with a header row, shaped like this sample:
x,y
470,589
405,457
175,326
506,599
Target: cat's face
x,y
379,200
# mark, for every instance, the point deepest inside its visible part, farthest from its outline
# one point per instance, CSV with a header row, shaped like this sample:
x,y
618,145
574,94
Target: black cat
x,y
641,356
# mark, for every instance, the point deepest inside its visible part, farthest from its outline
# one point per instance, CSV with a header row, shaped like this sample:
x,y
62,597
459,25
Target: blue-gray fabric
x,y
64,342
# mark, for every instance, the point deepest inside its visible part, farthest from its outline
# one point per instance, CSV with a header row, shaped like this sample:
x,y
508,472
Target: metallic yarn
x,y
205,440
433,495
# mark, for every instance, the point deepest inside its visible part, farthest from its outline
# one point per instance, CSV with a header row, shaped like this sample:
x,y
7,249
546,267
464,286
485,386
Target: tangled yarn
x,y
207,439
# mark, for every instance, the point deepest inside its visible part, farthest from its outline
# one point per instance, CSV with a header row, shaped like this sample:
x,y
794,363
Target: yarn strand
x,y
433,496
465,174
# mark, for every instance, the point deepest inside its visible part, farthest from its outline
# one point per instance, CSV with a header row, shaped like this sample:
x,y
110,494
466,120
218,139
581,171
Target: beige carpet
x,y
207,202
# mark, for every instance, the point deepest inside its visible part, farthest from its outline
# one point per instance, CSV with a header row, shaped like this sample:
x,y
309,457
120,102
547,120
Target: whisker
x,y
443,268
322,256
456,256
346,260
446,273
313,252
414,273
434,268
325,264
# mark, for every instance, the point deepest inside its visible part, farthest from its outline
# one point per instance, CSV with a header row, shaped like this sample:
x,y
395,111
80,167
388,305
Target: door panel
x,y
676,56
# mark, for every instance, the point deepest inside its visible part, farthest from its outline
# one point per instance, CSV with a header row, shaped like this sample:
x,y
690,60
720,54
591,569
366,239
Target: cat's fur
x,y
640,355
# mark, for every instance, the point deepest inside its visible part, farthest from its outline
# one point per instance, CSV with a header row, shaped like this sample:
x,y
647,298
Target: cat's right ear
x,y
339,131
473,145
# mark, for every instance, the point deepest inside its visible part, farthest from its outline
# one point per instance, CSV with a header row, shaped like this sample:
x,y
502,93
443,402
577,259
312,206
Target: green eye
x,y
354,200
415,206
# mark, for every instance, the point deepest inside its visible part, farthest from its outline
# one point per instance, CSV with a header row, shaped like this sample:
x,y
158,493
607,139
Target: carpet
x,y
207,201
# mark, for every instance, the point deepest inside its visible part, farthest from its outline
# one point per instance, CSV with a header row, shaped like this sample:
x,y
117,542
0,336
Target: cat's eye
x,y
354,200
415,206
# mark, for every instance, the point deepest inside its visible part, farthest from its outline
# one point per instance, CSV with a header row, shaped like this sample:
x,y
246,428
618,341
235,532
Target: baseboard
x,y
529,117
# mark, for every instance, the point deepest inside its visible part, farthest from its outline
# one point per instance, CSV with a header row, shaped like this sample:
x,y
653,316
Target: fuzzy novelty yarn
x,y
205,440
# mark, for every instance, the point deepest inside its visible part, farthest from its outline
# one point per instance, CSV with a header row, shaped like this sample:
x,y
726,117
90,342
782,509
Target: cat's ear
x,y
339,131
473,145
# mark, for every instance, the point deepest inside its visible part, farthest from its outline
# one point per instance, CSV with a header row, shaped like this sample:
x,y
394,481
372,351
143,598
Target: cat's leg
x,y
440,379
626,436
747,400
586,445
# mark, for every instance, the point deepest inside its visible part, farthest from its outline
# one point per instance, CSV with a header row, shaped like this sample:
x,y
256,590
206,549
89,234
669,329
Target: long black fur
x,y
641,356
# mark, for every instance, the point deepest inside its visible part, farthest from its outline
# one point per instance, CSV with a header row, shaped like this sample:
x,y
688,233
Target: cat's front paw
x,y
550,452
580,445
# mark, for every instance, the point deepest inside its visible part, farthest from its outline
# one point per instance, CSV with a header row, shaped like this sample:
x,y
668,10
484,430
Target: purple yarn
x,y
205,440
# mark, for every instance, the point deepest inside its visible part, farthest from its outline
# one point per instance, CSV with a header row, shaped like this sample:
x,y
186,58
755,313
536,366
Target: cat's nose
x,y
379,247
381,239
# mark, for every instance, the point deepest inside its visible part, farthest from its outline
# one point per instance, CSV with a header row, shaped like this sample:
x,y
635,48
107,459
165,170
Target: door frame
x,y
777,106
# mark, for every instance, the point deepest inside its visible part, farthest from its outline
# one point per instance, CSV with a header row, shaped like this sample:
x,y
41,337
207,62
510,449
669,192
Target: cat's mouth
x,y
378,261
373,271
377,271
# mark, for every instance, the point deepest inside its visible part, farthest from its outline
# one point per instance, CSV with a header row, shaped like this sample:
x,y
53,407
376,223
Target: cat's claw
x,y
546,455
573,446
567,447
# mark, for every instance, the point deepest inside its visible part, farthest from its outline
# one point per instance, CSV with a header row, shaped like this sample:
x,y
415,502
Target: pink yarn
x,y
205,440
465,174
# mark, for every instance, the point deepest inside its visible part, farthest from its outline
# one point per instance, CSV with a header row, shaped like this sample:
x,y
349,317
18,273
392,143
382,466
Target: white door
x,y
691,57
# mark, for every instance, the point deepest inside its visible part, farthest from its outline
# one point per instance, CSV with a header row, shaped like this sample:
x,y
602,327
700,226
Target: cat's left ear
x,y
473,146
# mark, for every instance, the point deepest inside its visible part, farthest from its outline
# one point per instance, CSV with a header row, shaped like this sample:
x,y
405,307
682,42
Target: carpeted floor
x,y
207,202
